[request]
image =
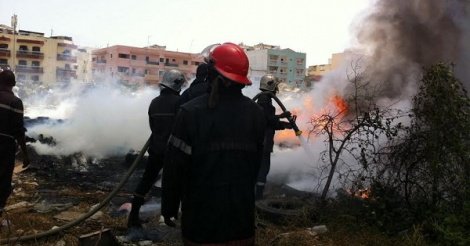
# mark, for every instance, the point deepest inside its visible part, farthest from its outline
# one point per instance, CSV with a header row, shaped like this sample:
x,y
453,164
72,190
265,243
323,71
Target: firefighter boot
x,y
134,220
259,192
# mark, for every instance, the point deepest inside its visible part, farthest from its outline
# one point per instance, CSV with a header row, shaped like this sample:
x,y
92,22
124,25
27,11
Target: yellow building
x,y
333,63
37,59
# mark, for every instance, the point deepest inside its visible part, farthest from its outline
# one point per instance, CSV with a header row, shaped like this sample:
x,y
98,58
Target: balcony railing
x,y
5,52
66,57
30,54
138,74
153,63
66,72
101,61
29,69
171,64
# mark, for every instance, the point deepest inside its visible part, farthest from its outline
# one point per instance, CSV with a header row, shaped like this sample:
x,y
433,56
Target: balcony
x,y
30,54
272,62
138,74
67,45
29,69
66,57
66,73
152,77
153,63
101,62
5,52
167,64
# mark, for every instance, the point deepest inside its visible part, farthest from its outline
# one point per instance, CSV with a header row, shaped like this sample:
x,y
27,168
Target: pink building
x,y
134,65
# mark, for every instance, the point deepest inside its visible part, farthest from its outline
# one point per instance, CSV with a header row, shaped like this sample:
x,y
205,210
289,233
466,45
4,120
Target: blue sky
x,y
316,27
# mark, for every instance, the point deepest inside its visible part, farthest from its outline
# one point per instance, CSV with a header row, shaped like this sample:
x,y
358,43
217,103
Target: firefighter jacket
x,y
212,165
11,116
198,87
273,121
161,113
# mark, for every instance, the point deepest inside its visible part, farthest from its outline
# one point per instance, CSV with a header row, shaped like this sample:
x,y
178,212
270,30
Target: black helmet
x,y
7,77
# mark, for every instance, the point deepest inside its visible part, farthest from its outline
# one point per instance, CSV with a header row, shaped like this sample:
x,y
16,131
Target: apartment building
x,y
286,64
37,59
135,66
84,64
333,63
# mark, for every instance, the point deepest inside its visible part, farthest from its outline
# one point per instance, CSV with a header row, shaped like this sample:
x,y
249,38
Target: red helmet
x,y
231,62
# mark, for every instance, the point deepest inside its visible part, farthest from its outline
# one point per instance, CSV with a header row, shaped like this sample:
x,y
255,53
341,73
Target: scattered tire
x,y
280,211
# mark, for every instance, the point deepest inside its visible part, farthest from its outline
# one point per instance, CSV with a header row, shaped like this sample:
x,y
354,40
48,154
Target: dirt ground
x,y
27,215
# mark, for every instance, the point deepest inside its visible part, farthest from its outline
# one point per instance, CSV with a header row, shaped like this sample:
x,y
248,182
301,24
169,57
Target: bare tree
x,y
354,130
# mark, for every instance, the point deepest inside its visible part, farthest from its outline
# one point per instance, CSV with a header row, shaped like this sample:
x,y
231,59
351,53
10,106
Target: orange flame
x,y
334,103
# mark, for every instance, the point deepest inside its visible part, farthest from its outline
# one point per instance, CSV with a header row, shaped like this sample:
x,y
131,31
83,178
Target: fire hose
x,y
89,213
290,118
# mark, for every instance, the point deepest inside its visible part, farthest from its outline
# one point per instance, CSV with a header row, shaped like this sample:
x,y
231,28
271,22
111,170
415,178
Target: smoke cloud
x,y
100,121
399,37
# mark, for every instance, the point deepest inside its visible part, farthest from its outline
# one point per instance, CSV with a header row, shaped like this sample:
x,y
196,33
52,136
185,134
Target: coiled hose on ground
x,y
90,213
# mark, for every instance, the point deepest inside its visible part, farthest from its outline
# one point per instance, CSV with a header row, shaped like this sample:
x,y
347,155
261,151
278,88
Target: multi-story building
x,y
84,64
333,63
37,59
286,64
134,65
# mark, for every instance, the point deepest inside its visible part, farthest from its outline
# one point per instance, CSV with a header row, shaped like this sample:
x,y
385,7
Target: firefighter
x,y
161,113
214,152
269,83
12,132
198,87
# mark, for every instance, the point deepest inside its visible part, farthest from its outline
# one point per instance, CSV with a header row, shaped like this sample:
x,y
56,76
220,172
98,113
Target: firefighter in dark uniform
x,y
161,113
214,152
269,83
198,87
12,132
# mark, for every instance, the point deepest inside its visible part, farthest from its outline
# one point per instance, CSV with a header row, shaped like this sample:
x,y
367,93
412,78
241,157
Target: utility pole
x,y
14,22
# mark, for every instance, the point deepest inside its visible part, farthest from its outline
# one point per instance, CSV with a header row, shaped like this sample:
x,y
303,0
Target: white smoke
x,y
100,121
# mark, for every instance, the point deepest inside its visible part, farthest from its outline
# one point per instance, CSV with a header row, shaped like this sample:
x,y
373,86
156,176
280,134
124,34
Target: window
x,y
185,62
147,59
67,52
93,59
123,56
133,70
67,66
173,60
110,56
160,73
146,71
123,69
21,77
22,63
134,57
162,59
197,63
35,63
3,61
23,48
3,46
35,78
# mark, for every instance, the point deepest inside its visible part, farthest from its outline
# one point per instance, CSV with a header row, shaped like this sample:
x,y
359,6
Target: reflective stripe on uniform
x,y
6,135
180,144
11,108
231,145
162,114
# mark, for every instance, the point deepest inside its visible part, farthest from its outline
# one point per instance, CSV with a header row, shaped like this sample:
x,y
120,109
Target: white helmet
x,y
269,83
173,79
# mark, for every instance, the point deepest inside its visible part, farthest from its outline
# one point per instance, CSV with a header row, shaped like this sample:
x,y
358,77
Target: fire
x,y
360,193
334,104
340,104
